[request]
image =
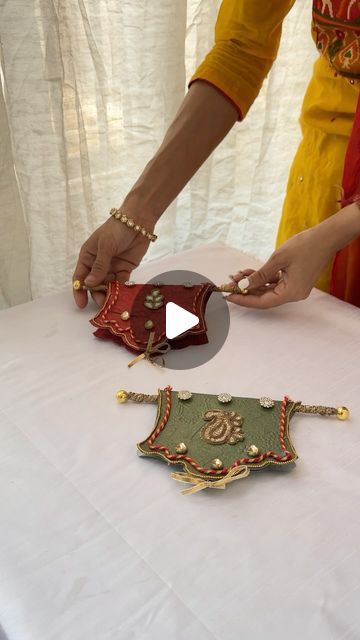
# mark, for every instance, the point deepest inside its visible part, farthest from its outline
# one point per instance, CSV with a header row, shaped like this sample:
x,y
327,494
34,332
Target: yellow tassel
x,y
236,473
153,354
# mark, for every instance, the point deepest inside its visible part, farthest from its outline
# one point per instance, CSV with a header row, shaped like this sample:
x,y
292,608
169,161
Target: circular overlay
x,y
217,317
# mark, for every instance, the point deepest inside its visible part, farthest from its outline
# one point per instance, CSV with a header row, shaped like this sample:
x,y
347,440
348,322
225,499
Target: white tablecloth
x,y
98,544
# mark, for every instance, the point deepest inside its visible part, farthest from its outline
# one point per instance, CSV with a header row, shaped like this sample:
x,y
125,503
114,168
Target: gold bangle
x,y
122,217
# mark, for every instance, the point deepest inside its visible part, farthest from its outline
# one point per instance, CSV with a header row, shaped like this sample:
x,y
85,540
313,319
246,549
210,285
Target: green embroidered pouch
x,y
220,438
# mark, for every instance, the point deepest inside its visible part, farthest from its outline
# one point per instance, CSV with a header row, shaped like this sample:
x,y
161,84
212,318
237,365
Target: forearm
x,y
341,228
203,120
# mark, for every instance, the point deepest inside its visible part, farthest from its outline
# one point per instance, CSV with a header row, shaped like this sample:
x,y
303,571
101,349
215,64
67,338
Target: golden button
x,y
253,451
181,448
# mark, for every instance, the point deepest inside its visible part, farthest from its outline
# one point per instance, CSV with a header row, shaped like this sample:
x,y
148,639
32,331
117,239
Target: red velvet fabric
x,y
132,333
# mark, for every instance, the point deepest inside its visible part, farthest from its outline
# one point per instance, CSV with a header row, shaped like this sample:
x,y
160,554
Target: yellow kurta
x,y
247,37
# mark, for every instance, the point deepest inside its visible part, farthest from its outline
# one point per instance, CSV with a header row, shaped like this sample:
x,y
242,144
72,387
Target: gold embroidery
x,y
224,427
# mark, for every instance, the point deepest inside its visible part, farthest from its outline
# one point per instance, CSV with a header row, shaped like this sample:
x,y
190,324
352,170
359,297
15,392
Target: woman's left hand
x,y
291,271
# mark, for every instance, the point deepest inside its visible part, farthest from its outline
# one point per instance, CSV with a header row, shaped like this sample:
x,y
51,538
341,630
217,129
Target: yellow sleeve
x,y
247,37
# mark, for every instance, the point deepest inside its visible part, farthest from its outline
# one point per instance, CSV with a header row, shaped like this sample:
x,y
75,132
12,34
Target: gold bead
x,y
76,285
149,325
125,315
253,451
121,396
181,448
342,413
217,463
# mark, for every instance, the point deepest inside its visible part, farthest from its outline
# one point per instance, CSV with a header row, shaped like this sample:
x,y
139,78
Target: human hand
x,y
290,273
110,253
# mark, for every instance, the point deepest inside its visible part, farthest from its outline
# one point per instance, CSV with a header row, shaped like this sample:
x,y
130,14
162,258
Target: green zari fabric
x,y
209,430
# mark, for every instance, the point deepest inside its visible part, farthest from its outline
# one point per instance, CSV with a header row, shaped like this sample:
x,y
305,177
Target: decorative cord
x,y
124,396
342,413
222,288
153,354
311,408
236,473
230,288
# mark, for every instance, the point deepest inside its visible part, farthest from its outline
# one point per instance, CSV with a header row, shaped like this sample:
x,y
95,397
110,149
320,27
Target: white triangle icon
x,y
178,320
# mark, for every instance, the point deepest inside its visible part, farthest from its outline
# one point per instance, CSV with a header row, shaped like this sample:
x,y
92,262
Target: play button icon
x,y
178,320
174,320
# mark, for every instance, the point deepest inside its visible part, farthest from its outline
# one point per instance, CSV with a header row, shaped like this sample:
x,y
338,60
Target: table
x,y
98,544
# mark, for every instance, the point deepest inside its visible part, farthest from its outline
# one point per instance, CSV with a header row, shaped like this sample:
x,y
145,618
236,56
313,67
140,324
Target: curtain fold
x,y
88,89
14,237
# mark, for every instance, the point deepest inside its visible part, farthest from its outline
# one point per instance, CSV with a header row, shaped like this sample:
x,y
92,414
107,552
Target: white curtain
x,y
88,88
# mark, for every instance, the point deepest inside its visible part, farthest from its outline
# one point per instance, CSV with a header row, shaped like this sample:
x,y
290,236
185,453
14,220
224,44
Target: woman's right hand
x,y
110,253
